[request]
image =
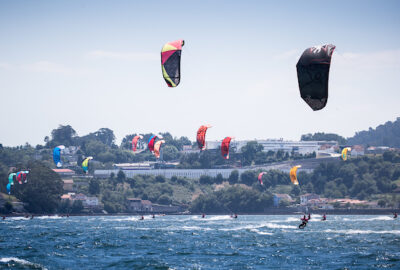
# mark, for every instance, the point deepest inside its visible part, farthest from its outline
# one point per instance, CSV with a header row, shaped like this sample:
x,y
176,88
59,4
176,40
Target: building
x,y
68,184
274,145
357,150
281,197
64,172
306,197
91,202
138,205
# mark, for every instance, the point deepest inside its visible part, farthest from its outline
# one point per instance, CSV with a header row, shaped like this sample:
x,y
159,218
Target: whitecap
x,y
21,261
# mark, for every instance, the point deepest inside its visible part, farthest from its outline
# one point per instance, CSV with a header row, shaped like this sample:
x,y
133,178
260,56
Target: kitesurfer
x,y
309,216
153,216
142,218
235,216
324,217
4,217
394,215
203,215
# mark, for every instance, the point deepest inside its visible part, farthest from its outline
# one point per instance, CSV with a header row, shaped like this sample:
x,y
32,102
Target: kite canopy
x,y
11,178
171,62
313,75
19,177
150,144
344,153
293,175
225,147
8,188
201,137
135,141
57,155
260,177
85,164
157,147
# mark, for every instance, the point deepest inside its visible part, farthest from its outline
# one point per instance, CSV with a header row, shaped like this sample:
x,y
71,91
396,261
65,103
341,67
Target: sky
x,y
96,64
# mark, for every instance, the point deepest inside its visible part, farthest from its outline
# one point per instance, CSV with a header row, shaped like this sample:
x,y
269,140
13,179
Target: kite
x,y
150,144
293,175
135,141
171,62
344,153
11,178
225,147
57,155
85,164
260,177
157,147
313,75
8,188
201,137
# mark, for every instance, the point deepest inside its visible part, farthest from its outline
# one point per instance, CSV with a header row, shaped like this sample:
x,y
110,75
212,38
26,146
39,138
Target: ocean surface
x,y
192,242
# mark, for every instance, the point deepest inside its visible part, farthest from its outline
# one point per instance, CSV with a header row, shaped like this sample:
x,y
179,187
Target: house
x,y
306,197
68,196
80,197
357,150
279,197
91,202
64,172
147,206
134,204
68,184
158,208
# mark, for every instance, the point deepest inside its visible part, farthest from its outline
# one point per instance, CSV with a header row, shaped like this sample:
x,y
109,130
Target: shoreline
x,y
267,212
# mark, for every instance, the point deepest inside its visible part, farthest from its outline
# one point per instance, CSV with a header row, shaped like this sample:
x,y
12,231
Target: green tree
x,y
43,191
77,207
94,187
234,177
62,135
121,176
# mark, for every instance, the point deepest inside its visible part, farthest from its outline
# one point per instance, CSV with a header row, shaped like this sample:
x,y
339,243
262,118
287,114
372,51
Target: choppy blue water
x,y
191,242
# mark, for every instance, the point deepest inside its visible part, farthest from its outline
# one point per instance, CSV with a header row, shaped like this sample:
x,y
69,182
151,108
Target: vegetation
x,y
387,134
321,136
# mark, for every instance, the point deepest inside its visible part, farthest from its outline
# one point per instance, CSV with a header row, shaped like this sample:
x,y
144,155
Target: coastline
x,y
267,212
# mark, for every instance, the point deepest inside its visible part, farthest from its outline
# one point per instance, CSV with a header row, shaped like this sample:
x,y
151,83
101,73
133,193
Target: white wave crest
x,y
261,232
21,261
362,231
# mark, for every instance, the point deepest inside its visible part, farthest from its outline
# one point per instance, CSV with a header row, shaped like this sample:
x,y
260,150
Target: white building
x,y
305,198
91,202
301,147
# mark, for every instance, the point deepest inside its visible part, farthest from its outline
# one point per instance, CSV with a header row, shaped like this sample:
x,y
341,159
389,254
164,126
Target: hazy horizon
x,y
96,64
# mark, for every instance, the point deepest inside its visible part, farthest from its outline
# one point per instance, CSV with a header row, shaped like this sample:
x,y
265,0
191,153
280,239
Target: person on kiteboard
x,y
324,217
235,216
153,216
309,216
142,218
203,215
394,215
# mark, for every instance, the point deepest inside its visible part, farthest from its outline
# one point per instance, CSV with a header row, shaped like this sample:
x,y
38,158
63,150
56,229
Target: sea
x,y
193,242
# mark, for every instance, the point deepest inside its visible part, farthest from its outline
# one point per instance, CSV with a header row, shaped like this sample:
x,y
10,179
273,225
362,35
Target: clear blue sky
x,y
94,64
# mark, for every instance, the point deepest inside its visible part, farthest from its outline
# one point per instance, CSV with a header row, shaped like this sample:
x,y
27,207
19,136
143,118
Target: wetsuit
x,y
395,215
324,217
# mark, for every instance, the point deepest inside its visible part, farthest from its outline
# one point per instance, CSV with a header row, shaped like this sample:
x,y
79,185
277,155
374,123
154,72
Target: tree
x,y
77,207
219,178
249,152
248,178
94,187
382,203
63,135
43,191
164,199
121,176
233,177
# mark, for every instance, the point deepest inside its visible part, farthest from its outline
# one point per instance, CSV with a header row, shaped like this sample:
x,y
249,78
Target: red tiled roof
x,y
63,171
